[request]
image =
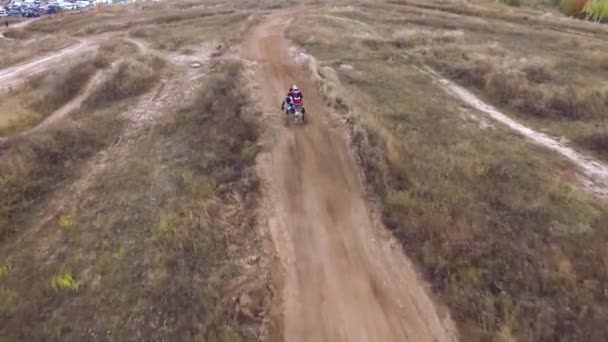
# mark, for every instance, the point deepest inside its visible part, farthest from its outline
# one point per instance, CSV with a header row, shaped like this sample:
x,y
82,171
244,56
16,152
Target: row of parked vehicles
x,y
36,8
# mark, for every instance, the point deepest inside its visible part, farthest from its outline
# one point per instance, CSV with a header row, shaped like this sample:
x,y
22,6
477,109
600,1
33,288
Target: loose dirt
x,y
345,278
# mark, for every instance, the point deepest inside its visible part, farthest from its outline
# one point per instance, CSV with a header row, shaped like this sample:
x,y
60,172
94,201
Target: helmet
x,y
294,88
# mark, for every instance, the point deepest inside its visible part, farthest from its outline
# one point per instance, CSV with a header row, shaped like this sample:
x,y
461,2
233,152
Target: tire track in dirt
x,y
345,278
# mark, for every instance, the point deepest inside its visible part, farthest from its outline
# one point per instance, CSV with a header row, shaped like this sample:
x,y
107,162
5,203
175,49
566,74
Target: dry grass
x,y
43,94
29,45
183,31
524,84
596,142
151,247
32,168
56,88
14,115
48,157
495,225
130,78
552,78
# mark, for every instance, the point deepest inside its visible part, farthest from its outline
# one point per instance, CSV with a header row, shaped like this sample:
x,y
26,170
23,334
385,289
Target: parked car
x,y
3,13
82,4
15,11
31,13
52,9
67,6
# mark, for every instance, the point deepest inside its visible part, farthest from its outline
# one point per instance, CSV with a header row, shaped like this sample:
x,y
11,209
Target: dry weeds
x,y
492,222
130,78
43,94
29,45
151,248
553,78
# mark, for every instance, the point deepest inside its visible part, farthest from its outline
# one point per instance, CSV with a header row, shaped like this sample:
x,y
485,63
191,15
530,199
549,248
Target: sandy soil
x,y
345,278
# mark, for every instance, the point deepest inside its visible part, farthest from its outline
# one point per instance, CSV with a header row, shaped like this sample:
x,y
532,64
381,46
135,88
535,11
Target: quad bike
x,y
293,114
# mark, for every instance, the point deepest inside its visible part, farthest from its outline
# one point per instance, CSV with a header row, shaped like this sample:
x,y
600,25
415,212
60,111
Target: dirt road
x,y
345,278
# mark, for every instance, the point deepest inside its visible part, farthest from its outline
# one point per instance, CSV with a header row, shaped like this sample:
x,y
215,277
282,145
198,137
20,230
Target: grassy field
x,y
547,71
151,236
499,227
31,165
111,236
149,249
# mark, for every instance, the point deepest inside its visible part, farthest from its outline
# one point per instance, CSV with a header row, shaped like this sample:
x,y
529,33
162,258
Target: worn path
x,y
345,278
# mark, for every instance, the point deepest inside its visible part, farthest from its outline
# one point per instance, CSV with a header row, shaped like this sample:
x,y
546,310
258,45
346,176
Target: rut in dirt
x,y
345,279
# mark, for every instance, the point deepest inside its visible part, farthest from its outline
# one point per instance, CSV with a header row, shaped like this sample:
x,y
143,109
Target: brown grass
x,y
151,247
30,45
44,94
552,79
183,30
494,224
597,142
130,78
523,84
32,168
17,33
56,88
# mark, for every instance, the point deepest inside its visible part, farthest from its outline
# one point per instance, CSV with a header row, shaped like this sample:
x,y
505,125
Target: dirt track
x,y
345,278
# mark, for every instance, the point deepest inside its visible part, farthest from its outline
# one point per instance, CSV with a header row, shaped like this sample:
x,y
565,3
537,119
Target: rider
x,y
295,97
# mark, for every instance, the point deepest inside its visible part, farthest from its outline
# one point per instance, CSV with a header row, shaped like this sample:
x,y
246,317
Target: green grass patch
x,y
67,221
5,270
63,282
